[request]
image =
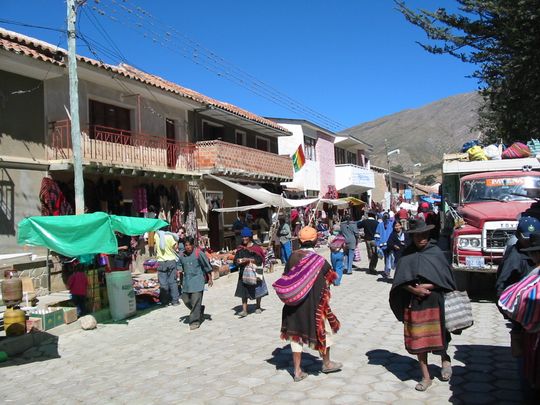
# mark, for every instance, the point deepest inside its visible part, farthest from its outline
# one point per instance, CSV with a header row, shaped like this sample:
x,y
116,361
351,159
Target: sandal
x,y
300,377
423,385
242,314
332,367
446,372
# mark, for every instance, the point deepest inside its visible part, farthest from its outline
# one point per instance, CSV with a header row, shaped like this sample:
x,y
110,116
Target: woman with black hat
x,y
422,277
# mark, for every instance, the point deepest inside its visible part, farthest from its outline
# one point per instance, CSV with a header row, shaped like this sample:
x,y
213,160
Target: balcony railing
x,y
219,156
123,148
350,176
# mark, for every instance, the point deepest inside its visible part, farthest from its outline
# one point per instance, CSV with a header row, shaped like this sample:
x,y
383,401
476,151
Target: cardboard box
x,y
33,323
70,314
47,319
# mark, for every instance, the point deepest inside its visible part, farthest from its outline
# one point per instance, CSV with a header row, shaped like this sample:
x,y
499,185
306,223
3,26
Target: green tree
x,y
502,37
428,180
397,168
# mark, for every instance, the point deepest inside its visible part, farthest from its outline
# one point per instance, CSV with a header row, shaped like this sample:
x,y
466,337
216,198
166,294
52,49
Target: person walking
x,y
248,253
311,321
195,269
284,234
403,216
336,243
166,256
349,230
384,229
369,225
422,277
398,241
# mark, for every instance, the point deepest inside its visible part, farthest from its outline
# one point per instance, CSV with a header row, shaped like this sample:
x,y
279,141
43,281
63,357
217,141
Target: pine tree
x,y
501,37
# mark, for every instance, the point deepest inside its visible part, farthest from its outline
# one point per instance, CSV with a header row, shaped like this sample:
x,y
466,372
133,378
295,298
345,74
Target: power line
x,y
143,22
23,24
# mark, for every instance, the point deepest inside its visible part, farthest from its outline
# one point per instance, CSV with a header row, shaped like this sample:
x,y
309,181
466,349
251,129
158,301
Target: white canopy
x,y
242,208
265,196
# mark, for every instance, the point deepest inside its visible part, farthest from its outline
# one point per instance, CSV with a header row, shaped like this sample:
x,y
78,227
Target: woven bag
x,y
249,276
457,311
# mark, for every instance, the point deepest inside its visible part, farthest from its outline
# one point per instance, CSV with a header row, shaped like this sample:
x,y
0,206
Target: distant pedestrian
x,y
398,241
336,243
78,285
369,226
422,277
249,253
384,229
195,268
349,230
403,216
285,236
166,257
237,227
311,321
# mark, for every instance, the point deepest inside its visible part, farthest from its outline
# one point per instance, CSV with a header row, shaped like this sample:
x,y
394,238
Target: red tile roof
x,y
36,49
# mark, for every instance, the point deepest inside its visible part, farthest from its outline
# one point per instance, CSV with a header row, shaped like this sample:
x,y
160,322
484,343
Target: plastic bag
x,y
476,153
492,152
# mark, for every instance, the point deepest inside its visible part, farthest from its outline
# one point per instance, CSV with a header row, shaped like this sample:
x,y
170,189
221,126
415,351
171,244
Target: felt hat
x,y
418,225
307,233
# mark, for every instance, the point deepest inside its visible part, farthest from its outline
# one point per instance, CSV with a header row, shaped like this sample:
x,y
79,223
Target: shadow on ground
x,y
282,360
42,346
489,375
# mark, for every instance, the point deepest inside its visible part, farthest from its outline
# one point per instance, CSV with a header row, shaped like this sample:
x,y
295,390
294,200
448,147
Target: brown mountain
x,y
422,134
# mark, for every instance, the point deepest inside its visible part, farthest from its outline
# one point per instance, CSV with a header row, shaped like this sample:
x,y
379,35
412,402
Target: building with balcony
x,y
354,176
146,142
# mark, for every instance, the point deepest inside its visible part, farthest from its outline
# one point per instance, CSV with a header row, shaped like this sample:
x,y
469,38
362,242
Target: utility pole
x,y
74,107
414,181
389,172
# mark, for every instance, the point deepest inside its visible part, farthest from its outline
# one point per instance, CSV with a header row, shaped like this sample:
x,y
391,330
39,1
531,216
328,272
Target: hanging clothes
x,y
52,199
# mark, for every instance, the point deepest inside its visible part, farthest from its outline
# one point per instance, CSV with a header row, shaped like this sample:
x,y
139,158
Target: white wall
x,y
308,177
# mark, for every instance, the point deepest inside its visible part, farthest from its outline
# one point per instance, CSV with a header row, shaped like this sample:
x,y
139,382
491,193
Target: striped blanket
x,y
521,302
422,325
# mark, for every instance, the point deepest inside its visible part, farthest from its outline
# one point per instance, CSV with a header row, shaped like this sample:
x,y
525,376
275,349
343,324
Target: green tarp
x,y
76,235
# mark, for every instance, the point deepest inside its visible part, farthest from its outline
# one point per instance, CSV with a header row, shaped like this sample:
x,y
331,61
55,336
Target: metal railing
x,y
120,147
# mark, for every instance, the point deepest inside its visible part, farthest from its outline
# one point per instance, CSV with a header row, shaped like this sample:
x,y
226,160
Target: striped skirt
x,y
424,325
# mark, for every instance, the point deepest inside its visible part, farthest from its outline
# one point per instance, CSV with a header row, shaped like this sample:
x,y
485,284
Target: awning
x,y
77,235
265,196
242,208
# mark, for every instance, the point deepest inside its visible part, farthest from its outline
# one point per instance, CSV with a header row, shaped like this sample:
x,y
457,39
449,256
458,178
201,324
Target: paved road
x,y
154,358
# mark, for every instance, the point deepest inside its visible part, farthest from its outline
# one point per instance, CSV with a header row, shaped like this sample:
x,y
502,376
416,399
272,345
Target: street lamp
x,y
388,153
414,180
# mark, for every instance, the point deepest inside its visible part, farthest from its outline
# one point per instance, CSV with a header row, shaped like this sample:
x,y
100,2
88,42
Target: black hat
x,y
418,225
534,243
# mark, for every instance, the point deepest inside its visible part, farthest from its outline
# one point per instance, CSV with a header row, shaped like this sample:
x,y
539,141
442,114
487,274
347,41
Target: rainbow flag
x,y
298,158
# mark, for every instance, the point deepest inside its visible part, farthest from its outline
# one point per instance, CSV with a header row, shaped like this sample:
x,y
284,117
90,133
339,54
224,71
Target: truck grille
x,y
497,238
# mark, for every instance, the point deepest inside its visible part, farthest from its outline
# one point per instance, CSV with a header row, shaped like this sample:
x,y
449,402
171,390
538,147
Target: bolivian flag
x,y
298,158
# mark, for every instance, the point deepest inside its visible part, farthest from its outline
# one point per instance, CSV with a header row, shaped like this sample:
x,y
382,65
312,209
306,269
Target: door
x,y
172,152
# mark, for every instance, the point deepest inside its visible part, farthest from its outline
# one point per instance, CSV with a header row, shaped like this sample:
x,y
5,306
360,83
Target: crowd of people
x,y
418,269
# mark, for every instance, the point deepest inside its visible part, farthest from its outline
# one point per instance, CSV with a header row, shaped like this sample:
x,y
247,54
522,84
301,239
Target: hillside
x,y
422,134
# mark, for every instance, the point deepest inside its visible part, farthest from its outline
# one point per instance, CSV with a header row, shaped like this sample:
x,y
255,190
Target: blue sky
x,y
352,60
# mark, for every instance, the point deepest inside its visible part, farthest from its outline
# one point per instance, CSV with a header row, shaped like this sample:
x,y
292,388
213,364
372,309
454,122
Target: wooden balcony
x,y
111,147
227,158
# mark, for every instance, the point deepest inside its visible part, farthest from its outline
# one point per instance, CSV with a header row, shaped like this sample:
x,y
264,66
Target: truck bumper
x,y
487,269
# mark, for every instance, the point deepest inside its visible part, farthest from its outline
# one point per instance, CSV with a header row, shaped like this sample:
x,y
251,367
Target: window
x,y
240,138
309,148
116,119
339,155
351,158
263,144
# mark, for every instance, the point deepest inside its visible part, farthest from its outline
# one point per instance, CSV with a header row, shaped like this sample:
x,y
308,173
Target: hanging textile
x,y
52,199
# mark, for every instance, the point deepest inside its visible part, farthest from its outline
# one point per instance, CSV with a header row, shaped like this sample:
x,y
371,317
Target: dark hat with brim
x,y
534,241
419,226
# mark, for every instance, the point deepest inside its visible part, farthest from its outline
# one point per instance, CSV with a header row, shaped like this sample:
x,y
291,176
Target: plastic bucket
x,y
121,295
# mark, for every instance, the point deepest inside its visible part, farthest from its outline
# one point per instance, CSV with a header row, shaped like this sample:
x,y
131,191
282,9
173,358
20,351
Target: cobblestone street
x,y
154,358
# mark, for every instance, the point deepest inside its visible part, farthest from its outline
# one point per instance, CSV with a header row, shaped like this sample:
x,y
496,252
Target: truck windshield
x,y
494,189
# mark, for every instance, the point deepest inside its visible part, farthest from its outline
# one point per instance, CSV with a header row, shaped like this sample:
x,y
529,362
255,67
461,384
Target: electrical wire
x,y
146,24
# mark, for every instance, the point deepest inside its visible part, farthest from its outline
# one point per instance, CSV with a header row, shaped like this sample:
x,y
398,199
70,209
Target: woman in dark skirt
x,y
422,277
248,252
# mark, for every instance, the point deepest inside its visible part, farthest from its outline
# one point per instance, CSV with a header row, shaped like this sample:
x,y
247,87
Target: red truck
x,y
482,202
